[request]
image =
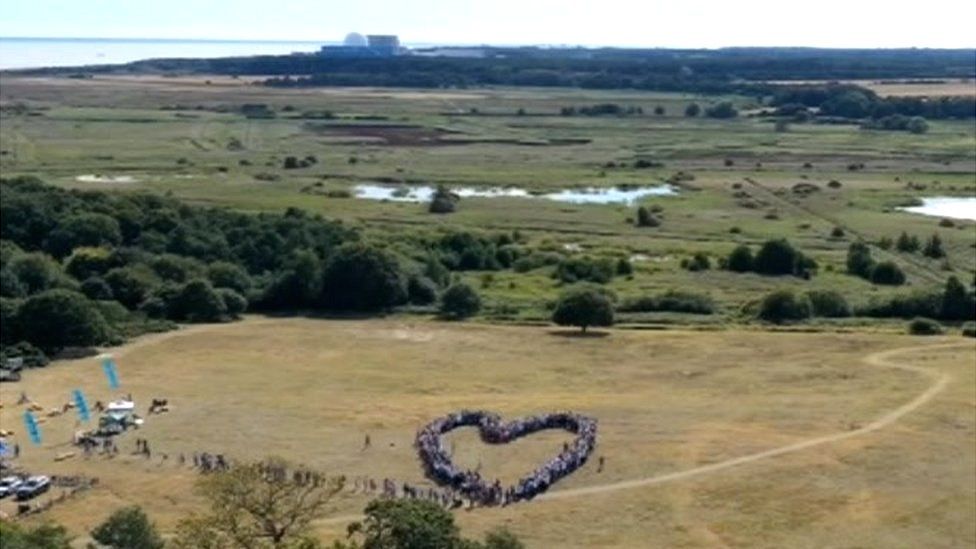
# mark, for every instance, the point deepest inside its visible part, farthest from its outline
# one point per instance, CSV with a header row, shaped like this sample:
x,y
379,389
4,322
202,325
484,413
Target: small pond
x,y
953,207
588,195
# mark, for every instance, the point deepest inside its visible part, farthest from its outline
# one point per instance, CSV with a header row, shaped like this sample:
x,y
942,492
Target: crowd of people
x,y
440,468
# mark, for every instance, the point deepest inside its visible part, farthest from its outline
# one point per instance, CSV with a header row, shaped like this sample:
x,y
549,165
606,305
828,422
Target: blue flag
x,y
32,428
81,405
110,372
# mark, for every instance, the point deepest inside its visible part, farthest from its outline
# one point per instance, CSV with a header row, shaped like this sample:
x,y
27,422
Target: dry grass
x,y
309,390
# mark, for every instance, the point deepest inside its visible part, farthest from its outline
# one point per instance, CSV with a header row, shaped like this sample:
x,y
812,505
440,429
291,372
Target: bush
x,y
783,306
360,277
698,262
919,303
828,303
933,248
969,329
584,307
678,301
907,243
443,201
131,285
646,219
578,269
924,326
779,257
128,528
97,289
86,262
859,260
421,289
722,110
196,301
692,110
740,260
55,319
917,125
224,274
234,303
9,308
887,273
460,301
957,303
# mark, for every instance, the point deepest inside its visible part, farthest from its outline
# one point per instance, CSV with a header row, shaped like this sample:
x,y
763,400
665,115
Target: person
x,y
367,442
599,468
16,450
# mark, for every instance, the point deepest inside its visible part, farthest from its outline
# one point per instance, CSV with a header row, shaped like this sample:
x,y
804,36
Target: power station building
x,y
356,45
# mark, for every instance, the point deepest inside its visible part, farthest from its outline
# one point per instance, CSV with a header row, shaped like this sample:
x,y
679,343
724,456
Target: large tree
x,y
257,505
61,318
583,307
128,528
361,277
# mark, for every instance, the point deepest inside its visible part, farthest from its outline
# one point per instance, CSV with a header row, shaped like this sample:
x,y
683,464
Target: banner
x,y
81,405
108,365
33,430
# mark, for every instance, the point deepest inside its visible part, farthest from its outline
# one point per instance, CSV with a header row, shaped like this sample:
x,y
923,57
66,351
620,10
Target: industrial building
x,y
357,46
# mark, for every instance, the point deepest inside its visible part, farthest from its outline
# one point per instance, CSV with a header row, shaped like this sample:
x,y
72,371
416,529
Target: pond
x,y
953,207
588,195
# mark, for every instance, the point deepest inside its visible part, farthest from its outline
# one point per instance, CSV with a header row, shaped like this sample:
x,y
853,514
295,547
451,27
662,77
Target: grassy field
x,y
309,390
187,137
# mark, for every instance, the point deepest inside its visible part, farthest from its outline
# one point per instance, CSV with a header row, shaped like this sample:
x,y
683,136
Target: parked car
x,y
9,485
33,487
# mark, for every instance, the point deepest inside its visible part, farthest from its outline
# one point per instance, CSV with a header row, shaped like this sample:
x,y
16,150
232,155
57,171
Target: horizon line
x,y
471,45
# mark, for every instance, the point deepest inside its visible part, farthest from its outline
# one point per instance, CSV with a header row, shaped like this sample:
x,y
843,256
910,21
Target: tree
x,y
722,110
907,243
443,201
407,524
59,318
784,305
360,277
740,260
196,301
131,285
96,288
298,285
44,536
659,110
917,125
224,274
887,273
692,110
933,248
9,309
128,528
234,303
859,261
646,219
36,272
87,261
828,303
502,538
777,257
460,301
583,307
957,303
257,505
84,229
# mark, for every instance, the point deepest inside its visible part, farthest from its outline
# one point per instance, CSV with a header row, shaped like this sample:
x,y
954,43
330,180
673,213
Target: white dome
x,y
355,39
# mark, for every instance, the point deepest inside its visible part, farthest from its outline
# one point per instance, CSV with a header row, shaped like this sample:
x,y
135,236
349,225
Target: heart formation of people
x,y
441,469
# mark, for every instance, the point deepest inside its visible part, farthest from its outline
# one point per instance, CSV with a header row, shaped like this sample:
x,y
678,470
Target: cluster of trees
x,y
601,109
775,257
677,301
87,268
953,303
860,263
910,244
249,508
854,102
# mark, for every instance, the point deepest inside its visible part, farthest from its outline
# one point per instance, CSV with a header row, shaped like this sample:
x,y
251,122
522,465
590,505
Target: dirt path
x,y
880,359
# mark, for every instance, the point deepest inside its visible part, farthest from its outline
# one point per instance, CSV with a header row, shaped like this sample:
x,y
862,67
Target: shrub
x,y
224,274
584,307
924,326
740,260
443,201
907,243
698,262
196,301
131,285
933,248
678,301
918,303
828,303
917,125
957,303
96,288
783,306
692,110
859,260
234,303
577,269
969,329
87,261
888,273
721,110
9,309
779,257
128,528
460,301
837,232
646,219
421,290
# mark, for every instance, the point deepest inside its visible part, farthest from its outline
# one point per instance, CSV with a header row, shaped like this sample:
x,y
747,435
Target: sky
x,y
634,23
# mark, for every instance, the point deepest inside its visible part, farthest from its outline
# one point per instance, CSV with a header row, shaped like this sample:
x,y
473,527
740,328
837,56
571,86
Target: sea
x,y
23,53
